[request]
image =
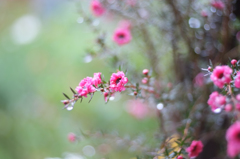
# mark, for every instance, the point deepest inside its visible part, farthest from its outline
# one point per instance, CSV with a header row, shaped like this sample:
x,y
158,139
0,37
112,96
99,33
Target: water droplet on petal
x,y
70,108
111,98
218,110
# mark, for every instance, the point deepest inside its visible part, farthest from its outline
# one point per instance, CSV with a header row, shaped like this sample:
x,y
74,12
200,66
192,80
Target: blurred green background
x,y
42,53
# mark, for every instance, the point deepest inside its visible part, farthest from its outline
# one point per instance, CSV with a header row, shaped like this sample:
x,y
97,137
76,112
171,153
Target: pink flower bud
x,y
209,68
145,80
145,71
228,108
238,97
204,13
179,157
234,62
72,137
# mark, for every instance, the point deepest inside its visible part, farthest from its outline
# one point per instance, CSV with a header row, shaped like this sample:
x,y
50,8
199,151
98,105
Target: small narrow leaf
x,y
73,90
91,97
66,96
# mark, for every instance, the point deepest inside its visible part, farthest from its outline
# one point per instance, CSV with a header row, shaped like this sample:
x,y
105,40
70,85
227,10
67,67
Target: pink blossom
x,y
228,108
221,75
199,80
204,13
179,157
117,81
233,139
105,94
97,8
71,137
237,80
137,109
195,148
218,4
122,36
238,97
145,71
85,87
216,100
233,62
145,80
97,79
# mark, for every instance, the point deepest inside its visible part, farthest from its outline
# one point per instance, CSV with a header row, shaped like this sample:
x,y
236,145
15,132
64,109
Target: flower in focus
x,y
97,79
137,109
218,4
97,8
195,148
233,139
221,75
72,137
117,81
85,87
122,36
237,80
216,100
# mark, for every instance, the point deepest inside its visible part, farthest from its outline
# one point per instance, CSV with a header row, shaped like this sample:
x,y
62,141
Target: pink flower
x,y
233,62
221,75
199,80
195,148
145,71
71,137
122,36
85,87
216,100
233,139
237,80
218,4
117,81
137,109
105,94
204,13
97,79
238,97
145,80
97,8
228,108
179,157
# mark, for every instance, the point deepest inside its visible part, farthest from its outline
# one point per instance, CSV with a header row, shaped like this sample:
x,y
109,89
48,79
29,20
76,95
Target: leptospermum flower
x,y
218,4
221,75
72,137
233,139
97,79
122,36
216,101
85,87
97,8
237,80
195,148
117,81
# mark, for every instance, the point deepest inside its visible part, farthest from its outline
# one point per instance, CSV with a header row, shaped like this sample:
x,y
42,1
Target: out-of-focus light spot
x,y
197,50
111,98
72,156
213,9
213,25
194,23
160,106
25,29
218,110
69,108
87,58
206,27
80,20
88,150
232,17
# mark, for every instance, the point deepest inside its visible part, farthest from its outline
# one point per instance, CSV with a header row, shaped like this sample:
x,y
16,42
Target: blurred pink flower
x,y
122,36
233,62
71,137
85,87
237,80
131,2
97,8
199,80
117,81
233,139
216,100
105,94
97,79
218,4
221,75
179,157
137,109
204,13
195,148
145,80
228,108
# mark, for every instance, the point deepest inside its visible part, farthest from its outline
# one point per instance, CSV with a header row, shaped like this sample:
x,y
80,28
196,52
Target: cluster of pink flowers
x,y
118,81
221,75
195,148
216,101
97,8
233,139
85,87
122,35
218,4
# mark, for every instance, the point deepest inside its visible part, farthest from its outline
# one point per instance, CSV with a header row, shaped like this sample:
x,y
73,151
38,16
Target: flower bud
x,y
144,80
135,93
179,157
228,108
72,137
145,71
234,62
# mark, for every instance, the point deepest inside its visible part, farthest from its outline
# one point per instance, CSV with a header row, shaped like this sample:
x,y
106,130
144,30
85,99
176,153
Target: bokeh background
x,y
43,53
